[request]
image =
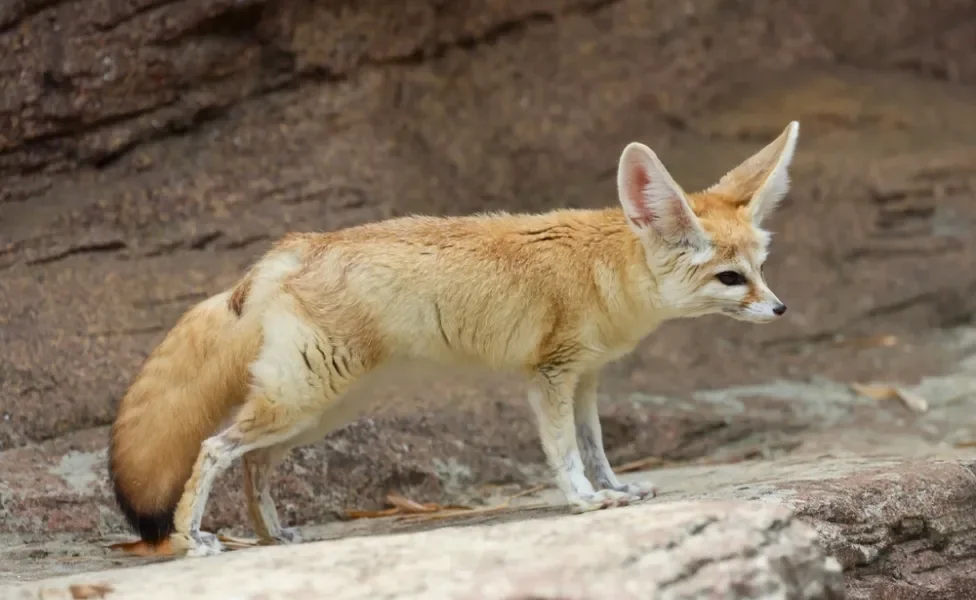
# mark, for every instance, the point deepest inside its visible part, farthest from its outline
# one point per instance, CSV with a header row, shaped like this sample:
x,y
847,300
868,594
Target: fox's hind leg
x,y
258,466
260,463
298,376
590,438
261,424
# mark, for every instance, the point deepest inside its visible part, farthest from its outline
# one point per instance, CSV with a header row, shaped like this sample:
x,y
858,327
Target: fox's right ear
x,y
653,201
762,180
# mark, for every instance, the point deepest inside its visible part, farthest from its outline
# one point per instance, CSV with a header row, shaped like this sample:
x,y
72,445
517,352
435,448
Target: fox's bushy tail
x,y
190,384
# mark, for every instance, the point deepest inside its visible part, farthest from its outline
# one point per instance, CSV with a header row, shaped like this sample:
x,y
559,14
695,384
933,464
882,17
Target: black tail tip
x,y
153,528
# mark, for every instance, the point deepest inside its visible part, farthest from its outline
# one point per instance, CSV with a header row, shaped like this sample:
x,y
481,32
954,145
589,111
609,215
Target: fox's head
x,y
706,250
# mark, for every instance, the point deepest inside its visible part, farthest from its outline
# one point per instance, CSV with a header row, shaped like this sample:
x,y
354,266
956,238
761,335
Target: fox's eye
x,y
731,278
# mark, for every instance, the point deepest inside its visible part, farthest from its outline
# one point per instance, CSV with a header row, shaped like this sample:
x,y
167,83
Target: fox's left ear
x,y
763,179
653,201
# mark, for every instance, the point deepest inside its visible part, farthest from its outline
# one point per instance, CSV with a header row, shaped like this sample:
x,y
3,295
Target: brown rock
x,y
901,528
94,82
471,113
62,486
906,531
149,150
668,551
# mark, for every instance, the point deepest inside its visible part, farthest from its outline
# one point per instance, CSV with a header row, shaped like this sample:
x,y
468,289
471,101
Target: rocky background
x,y
150,149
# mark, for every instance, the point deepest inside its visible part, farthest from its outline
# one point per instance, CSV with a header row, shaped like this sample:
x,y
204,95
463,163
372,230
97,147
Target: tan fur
x,y
160,412
552,296
239,296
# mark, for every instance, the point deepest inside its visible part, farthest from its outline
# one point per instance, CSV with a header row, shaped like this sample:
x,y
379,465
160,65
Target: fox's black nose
x,y
779,309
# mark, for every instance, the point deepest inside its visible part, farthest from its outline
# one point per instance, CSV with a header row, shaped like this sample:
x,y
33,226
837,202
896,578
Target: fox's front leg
x,y
590,440
551,398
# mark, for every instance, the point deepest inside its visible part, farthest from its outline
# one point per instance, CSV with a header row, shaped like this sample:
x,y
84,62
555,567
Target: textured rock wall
x,y
83,81
150,150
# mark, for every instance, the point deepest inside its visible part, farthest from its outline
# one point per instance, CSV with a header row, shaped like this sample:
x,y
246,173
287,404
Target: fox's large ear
x,y
653,201
763,179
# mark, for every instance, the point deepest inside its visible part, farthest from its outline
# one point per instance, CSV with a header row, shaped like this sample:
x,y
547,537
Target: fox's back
x,y
499,289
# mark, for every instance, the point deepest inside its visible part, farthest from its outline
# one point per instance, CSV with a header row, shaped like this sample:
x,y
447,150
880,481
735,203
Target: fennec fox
x,y
269,364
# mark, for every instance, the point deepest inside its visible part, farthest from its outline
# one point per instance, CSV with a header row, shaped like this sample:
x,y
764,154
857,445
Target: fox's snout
x,y
765,309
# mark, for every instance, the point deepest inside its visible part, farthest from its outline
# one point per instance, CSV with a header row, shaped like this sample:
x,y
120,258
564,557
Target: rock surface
x,y
61,486
900,527
887,494
667,551
88,81
97,263
150,149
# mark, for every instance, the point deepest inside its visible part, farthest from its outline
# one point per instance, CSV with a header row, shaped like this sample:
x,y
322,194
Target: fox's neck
x,y
628,288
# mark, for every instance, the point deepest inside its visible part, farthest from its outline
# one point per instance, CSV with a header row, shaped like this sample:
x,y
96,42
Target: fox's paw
x,y
600,500
202,543
284,536
289,535
639,490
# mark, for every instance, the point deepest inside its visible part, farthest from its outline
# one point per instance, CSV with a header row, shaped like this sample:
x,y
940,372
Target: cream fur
x,y
552,297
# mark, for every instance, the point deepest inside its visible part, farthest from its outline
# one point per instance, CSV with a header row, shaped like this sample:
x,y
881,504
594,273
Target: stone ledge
x,y
670,550
901,527
898,527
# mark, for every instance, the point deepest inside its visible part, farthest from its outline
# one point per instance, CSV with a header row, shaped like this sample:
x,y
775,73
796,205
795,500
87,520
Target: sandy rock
x,y
149,150
893,506
906,531
507,106
62,486
667,551
901,527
